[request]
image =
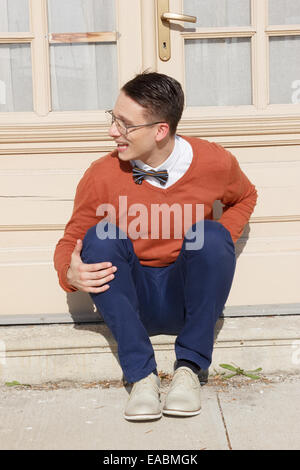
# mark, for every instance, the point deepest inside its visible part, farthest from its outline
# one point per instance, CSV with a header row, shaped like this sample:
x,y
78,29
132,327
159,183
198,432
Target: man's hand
x,y
89,277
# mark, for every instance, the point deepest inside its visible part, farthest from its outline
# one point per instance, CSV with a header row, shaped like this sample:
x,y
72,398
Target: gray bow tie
x,y
139,174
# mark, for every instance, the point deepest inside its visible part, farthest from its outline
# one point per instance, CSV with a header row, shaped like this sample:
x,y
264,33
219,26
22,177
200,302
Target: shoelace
x,y
181,376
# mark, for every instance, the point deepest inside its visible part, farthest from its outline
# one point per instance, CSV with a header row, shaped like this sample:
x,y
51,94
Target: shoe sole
x,y
181,413
142,417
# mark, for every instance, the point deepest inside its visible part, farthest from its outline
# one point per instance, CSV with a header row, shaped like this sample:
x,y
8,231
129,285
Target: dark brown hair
x,y
162,96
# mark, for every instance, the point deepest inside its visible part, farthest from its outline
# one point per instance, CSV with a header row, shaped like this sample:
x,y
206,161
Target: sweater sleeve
x,y
239,198
83,217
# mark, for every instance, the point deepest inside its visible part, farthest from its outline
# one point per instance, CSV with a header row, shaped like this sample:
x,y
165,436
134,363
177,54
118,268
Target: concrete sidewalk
x,y
239,413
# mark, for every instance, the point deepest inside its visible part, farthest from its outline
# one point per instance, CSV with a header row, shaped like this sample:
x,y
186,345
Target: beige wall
x,y
37,196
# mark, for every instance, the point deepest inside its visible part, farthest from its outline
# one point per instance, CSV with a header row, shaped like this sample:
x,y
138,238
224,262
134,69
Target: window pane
x,y
76,16
15,78
284,69
14,16
219,12
218,72
83,76
284,11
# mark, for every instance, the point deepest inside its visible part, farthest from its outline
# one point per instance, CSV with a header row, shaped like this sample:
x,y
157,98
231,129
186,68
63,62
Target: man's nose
x,y
114,131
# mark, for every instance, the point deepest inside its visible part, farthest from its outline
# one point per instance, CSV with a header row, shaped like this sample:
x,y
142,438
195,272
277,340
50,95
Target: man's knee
x,y
214,232
206,235
103,242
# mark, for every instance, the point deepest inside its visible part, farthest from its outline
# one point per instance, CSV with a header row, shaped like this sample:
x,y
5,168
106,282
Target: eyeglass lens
x,y
120,125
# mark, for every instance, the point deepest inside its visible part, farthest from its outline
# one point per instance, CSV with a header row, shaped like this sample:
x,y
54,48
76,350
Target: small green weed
x,y
239,371
12,384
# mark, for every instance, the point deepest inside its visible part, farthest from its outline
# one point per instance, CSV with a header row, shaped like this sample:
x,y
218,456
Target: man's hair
x,y
160,95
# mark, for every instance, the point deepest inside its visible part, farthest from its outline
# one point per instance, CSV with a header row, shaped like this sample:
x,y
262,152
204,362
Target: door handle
x,y
178,17
164,17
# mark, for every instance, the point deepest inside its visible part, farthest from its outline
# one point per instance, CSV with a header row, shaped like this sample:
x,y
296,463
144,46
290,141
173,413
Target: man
x,y
145,247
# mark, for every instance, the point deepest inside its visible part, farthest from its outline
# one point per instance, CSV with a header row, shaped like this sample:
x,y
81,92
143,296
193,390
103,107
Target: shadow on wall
x,y
241,243
87,318
81,307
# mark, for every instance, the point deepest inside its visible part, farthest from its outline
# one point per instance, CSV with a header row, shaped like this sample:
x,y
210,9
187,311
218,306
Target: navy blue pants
x,y
184,299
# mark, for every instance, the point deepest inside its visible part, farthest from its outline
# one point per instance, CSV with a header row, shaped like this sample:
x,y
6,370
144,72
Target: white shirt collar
x,y
168,164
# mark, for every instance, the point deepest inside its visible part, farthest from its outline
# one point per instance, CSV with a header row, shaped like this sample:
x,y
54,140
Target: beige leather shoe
x,y
184,395
143,402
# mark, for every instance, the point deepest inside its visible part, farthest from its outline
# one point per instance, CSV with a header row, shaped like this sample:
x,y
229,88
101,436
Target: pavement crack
x,y
224,423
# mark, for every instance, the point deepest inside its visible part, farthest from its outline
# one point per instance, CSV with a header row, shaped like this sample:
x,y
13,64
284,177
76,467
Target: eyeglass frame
x,y
115,120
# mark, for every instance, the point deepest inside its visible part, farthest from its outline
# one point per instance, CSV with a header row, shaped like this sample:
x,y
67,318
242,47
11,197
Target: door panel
x,y
14,16
211,64
79,79
15,78
218,13
284,12
222,63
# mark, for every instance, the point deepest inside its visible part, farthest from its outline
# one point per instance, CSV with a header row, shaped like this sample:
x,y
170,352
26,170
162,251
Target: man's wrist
x,y
64,280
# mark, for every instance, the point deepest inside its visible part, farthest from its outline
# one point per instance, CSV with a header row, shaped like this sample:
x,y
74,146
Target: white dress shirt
x,y
176,164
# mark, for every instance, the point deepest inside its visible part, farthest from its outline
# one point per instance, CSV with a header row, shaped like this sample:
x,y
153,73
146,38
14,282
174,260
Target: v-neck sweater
x,y
214,174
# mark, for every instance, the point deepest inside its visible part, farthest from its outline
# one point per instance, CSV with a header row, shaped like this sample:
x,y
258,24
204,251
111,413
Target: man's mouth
x,y
122,147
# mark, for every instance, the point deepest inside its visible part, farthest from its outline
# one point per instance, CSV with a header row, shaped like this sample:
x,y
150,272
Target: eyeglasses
x,y
121,126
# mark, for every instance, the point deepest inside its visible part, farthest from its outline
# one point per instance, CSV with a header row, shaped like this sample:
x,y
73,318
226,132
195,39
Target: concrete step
x,y
34,354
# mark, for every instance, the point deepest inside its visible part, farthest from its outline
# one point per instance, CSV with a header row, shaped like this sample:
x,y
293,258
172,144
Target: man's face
x,y
138,144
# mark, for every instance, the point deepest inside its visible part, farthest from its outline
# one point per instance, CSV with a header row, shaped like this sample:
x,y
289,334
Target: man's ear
x,y
162,131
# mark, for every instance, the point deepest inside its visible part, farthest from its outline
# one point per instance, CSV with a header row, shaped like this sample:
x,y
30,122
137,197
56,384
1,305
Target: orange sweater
x,y
214,174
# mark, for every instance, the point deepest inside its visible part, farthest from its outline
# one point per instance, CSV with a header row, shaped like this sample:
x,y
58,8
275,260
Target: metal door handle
x,y
167,16
164,17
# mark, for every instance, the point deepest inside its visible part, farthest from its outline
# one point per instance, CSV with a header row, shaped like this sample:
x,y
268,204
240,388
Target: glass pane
x,y
83,76
284,11
218,72
76,16
14,16
15,78
284,69
214,13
